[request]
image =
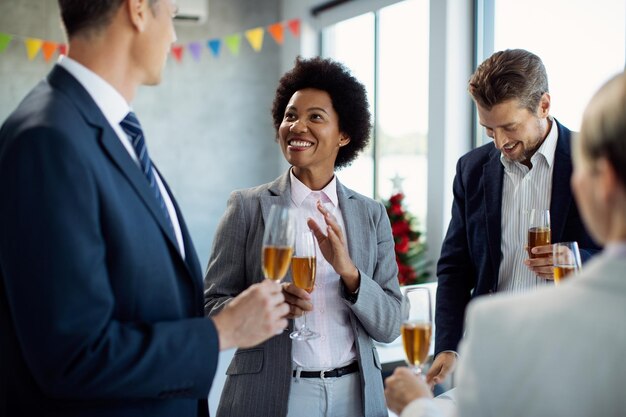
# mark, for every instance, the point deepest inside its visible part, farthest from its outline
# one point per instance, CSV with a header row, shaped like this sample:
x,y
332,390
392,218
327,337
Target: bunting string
x,y
254,36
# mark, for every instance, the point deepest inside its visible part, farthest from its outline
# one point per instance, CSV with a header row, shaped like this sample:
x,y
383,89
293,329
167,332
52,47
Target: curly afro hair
x,y
347,94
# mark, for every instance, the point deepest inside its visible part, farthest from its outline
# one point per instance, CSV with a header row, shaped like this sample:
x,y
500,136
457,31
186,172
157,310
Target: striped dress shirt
x,y
524,189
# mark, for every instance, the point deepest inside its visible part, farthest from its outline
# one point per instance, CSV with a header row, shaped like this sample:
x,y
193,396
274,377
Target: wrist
x,y
224,331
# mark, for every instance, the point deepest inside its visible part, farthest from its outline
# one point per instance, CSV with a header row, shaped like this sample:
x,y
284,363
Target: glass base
x,y
304,334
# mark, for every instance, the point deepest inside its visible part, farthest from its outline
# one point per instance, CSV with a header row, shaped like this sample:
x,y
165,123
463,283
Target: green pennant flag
x,y
5,40
233,42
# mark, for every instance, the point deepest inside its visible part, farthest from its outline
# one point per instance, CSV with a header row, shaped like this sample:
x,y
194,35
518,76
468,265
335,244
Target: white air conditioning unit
x,y
192,11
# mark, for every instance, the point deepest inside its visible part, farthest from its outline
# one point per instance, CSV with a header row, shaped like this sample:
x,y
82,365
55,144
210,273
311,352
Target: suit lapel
x,y
561,198
110,143
279,193
358,237
493,174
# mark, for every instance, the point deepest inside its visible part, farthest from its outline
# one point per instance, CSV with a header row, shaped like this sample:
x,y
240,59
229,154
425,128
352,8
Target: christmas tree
x,y
410,250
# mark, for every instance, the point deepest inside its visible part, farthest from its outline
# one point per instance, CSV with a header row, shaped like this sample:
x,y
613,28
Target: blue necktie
x,y
132,128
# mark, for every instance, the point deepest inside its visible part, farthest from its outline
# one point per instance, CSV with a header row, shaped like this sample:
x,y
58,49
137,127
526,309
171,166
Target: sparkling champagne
x,y
276,261
416,341
538,236
563,271
303,272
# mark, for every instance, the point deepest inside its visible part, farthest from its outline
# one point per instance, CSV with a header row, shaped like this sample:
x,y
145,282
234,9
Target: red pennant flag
x,y
48,49
276,30
177,51
62,49
294,26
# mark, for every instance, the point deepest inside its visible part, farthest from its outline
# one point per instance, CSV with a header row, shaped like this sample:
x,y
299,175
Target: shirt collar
x,y
299,191
109,100
546,150
616,249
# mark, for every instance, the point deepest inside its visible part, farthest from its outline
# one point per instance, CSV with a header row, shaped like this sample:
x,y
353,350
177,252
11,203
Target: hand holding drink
x,y
539,243
566,260
539,233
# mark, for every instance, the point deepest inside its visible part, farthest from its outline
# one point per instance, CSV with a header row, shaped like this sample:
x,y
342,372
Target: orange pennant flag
x,y
177,51
276,30
255,37
48,49
294,26
32,47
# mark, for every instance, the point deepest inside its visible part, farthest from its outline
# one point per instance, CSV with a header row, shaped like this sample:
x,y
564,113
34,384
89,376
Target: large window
x,y
387,50
581,43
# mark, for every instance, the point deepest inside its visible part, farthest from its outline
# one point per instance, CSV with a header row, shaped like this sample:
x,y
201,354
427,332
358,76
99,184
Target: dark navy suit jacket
x,y
99,313
471,252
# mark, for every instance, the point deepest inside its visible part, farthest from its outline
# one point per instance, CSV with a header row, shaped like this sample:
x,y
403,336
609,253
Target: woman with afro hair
x,y
322,122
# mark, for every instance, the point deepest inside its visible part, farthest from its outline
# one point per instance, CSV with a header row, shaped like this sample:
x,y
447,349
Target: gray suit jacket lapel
x,y
353,210
279,193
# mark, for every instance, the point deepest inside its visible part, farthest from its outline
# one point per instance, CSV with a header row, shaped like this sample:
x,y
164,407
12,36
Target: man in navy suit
x,y
527,166
101,305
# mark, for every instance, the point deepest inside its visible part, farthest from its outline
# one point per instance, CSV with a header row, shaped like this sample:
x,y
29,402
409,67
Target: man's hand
x,y
442,366
298,300
253,316
403,387
543,267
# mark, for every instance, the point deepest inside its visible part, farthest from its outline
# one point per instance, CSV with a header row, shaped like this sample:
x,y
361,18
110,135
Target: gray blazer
x,y
259,378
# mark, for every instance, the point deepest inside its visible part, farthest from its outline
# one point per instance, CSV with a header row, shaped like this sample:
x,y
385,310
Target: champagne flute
x,y
566,262
417,325
303,273
538,231
278,241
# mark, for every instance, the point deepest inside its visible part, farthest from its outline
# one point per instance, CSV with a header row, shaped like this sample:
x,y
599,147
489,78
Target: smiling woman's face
x,y
309,134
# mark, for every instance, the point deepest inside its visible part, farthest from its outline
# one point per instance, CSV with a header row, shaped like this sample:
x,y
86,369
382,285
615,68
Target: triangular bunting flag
x,y
255,38
48,49
32,47
214,45
276,30
196,50
177,51
294,26
233,42
62,49
5,40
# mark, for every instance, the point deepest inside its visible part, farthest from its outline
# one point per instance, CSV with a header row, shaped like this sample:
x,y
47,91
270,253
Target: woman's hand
x,y
297,299
334,248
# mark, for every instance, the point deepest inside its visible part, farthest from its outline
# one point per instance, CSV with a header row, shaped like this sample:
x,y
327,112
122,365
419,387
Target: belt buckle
x,y
322,373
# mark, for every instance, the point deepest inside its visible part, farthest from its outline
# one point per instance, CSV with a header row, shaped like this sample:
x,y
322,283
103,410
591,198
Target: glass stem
x,y
303,321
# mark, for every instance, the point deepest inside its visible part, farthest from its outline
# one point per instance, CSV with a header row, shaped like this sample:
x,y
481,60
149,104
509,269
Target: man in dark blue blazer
x,y
528,165
101,305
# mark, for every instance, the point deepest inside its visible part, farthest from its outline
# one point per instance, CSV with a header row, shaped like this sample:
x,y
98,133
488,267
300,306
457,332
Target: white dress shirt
x,y
330,316
524,189
115,108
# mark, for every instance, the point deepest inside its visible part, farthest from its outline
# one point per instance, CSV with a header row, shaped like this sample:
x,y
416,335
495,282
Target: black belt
x,y
330,373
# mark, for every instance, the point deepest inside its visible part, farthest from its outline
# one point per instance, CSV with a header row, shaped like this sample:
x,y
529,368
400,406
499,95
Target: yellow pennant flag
x,y
255,37
32,47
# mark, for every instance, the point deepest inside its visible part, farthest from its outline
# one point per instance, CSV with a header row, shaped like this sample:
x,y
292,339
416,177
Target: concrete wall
x,y
208,124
